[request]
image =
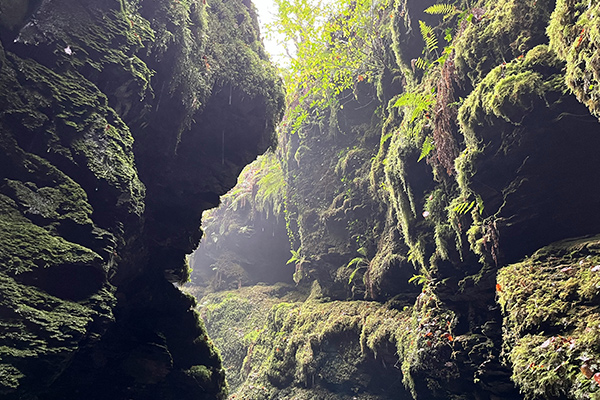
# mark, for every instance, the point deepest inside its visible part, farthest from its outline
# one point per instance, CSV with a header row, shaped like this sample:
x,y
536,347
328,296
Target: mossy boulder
x,y
550,305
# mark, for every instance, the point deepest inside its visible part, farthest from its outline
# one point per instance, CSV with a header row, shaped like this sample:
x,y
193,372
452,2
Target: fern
x,y
271,186
417,101
464,208
426,148
421,63
431,41
441,9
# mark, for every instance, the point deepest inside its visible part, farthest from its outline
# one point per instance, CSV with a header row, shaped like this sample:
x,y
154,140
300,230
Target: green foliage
x,y
464,207
353,274
416,102
271,193
358,263
419,280
261,187
430,37
362,251
296,257
422,63
330,47
428,34
427,147
442,8
575,38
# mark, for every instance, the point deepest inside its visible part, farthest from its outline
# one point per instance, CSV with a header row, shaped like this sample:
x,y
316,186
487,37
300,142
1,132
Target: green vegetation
x,y
281,340
575,38
421,189
332,47
93,96
552,320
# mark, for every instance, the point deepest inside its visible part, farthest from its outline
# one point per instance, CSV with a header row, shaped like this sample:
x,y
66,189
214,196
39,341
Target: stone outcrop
x,y
120,122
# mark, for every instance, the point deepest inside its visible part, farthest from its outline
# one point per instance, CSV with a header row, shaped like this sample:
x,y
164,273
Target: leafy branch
x,y
330,46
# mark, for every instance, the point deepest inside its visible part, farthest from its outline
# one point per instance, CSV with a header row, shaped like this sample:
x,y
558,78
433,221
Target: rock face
x,y
120,122
472,177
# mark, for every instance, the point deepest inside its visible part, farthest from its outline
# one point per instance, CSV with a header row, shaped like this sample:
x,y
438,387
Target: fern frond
x,y
422,63
441,9
429,37
426,149
464,208
417,101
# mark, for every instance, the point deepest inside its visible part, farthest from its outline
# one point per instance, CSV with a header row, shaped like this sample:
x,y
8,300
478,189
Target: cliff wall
x,y
120,122
442,217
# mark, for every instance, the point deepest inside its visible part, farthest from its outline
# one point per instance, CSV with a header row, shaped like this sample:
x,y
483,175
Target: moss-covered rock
x,y
500,32
515,123
120,122
474,157
551,320
574,35
331,350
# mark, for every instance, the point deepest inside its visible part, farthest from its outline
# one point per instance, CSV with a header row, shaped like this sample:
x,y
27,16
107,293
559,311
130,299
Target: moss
x,y
502,31
235,58
512,91
26,247
101,138
206,377
44,328
83,130
10,377
101,38
551,319
509,97
235,320
575,37
321,345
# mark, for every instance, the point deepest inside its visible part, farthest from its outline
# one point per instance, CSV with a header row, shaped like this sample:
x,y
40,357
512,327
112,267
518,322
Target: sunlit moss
x,y
499,32
575,36
506,99
286,346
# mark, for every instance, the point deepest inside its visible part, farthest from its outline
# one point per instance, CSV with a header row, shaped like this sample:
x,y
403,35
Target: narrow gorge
x,y
421,221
